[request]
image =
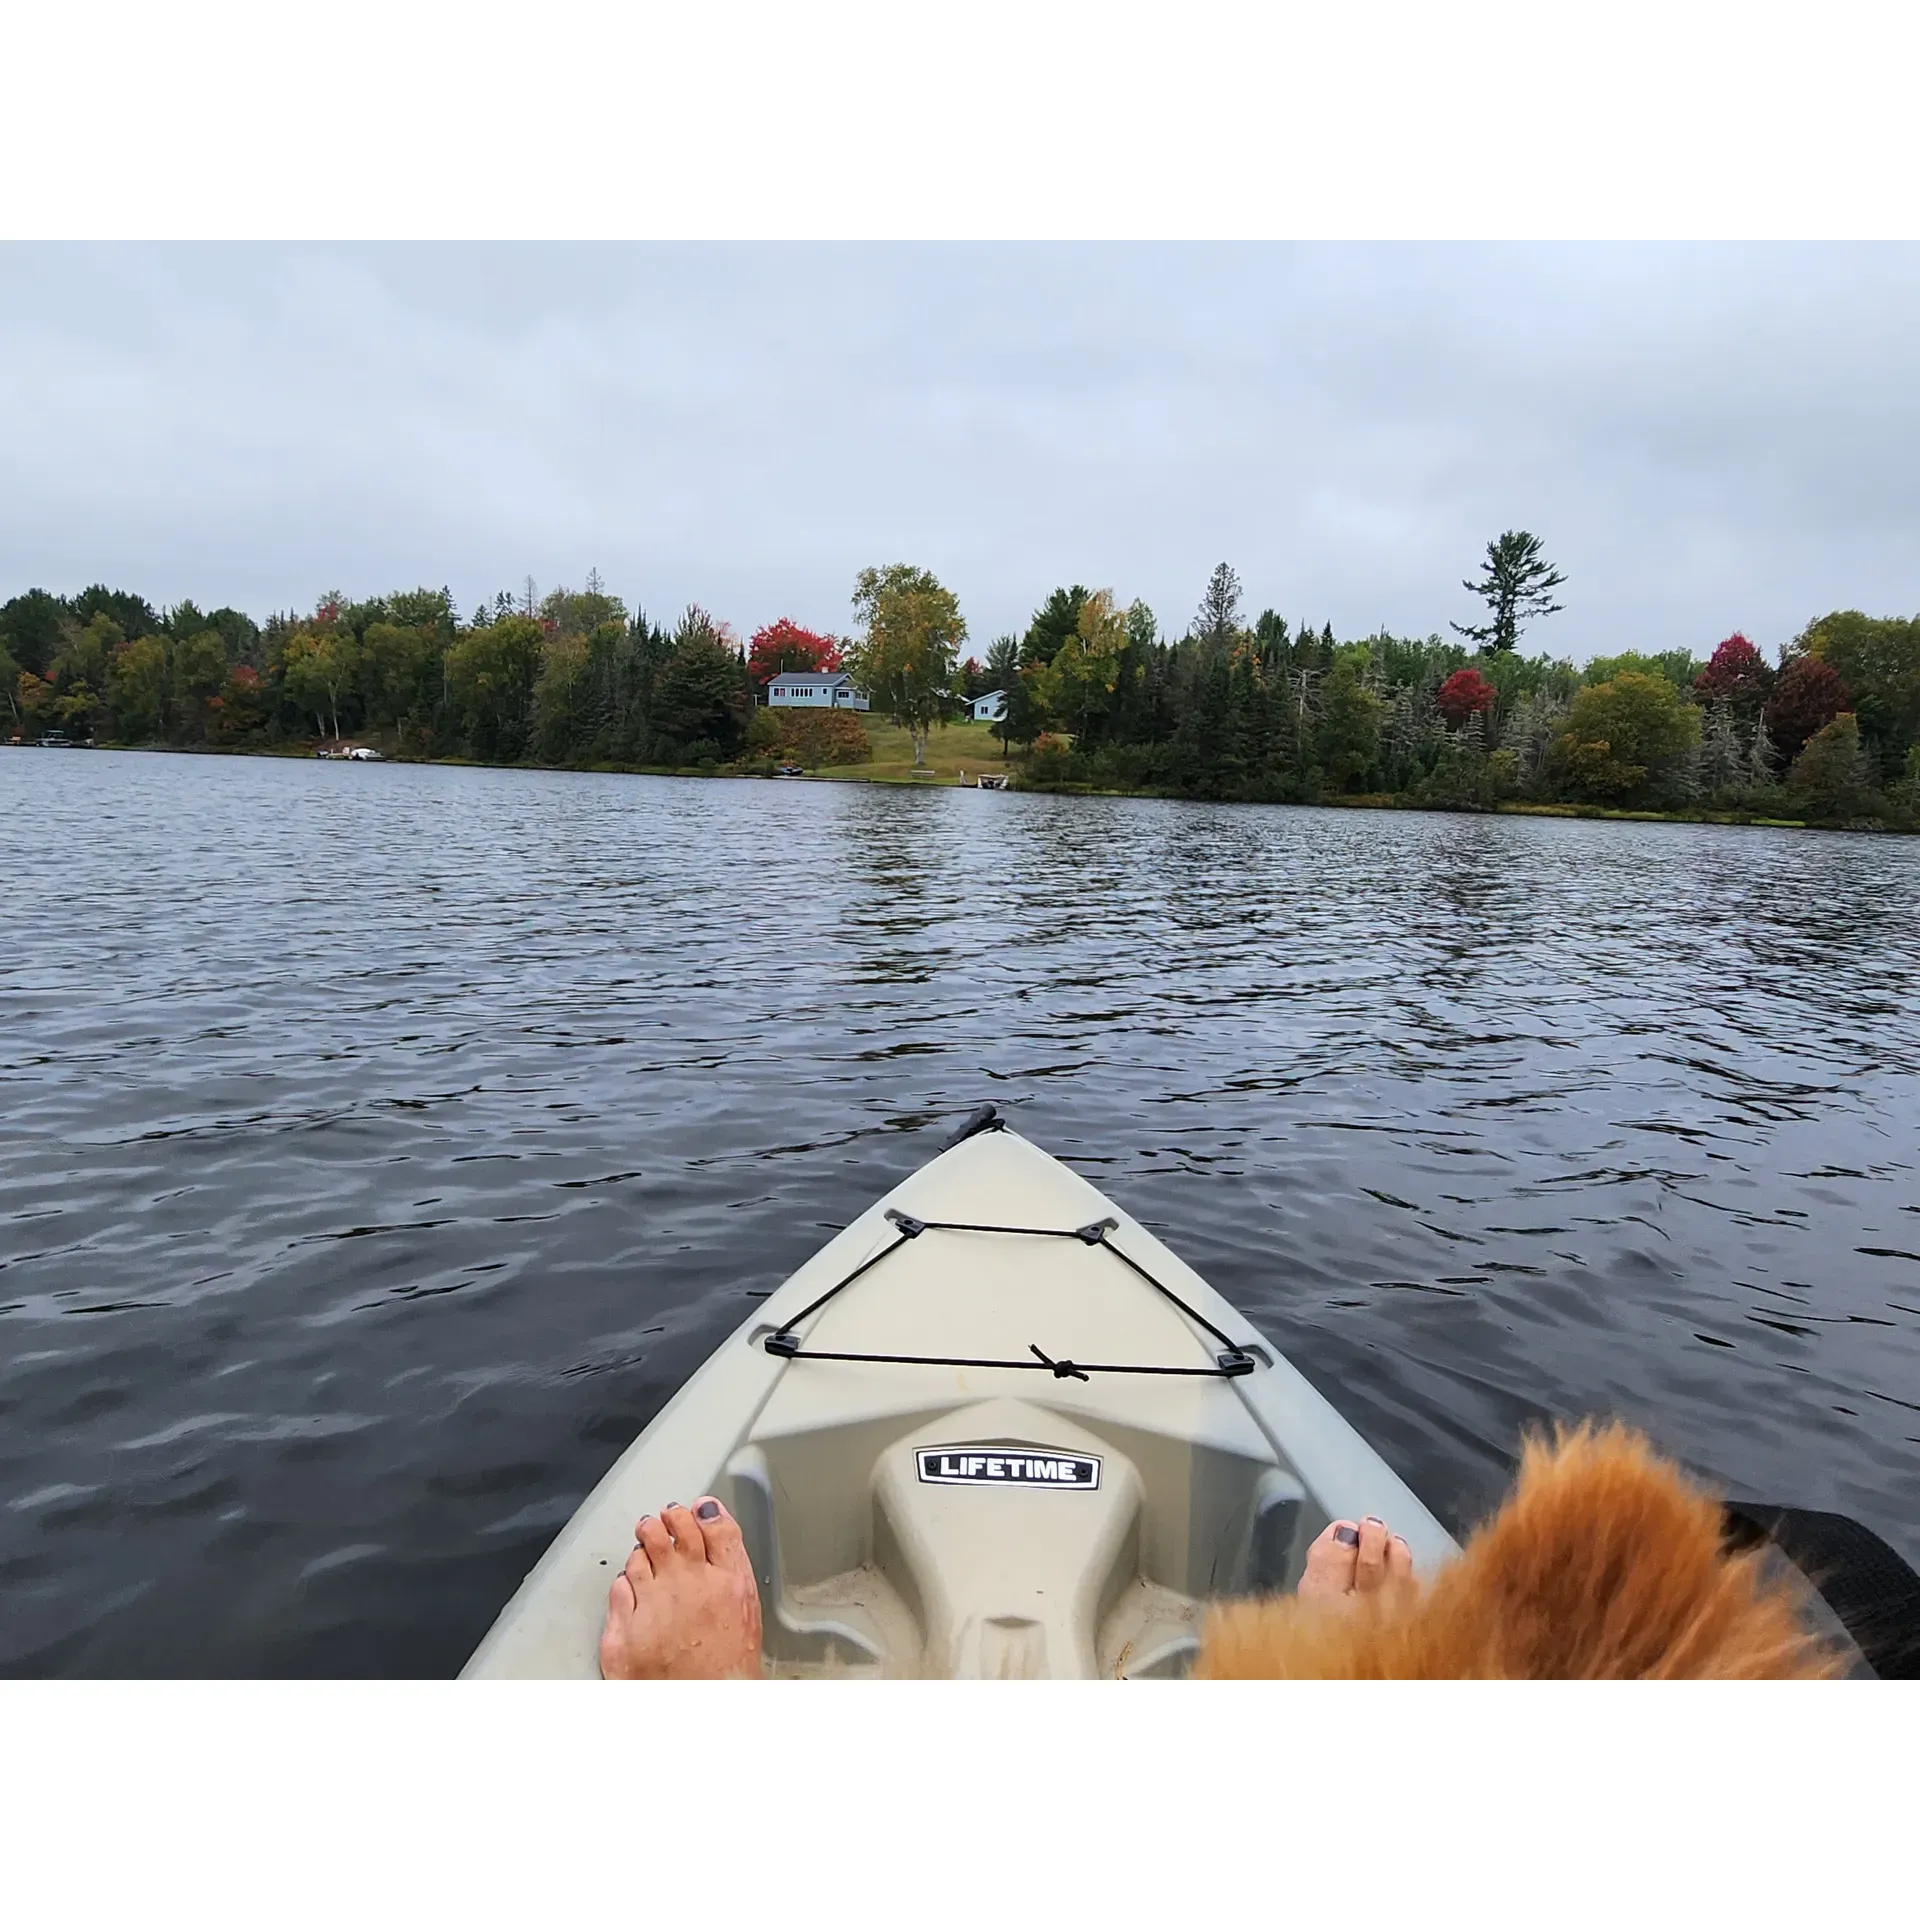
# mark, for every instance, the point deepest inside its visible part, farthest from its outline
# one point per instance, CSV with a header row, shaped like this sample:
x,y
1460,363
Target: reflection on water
x,y
381,1146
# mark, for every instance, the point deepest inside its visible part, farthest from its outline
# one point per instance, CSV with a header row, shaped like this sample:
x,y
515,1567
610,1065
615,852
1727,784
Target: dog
x,y
1603,1564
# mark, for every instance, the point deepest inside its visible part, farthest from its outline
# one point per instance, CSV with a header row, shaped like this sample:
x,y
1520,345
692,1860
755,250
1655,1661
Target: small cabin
x,y
815,690
990,706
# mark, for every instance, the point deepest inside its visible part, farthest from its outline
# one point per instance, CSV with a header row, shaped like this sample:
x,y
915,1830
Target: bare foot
x,y
1355,1557
686,1605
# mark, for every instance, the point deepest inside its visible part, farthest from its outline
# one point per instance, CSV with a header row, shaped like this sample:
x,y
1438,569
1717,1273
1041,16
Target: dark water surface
x,y
381,1146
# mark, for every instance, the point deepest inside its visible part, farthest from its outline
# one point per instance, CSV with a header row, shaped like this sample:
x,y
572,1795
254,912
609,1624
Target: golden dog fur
x,y
1604,1564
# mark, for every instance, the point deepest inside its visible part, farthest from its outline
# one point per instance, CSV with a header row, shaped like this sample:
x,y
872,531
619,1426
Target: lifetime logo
x,y
1007,1466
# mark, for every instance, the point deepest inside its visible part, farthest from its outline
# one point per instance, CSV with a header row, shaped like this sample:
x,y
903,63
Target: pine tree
x,y
1159,706
1245,748
1270,638
1052,625
1206,730
1348,737
1517,585
1219,616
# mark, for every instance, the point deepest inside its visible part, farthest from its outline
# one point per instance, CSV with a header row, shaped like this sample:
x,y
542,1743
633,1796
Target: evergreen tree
x,y
1218,619
1347,739
1052,626
1209,742
1024,719
704,695
1003,674
32,625
1270,638
1518,585
1159,707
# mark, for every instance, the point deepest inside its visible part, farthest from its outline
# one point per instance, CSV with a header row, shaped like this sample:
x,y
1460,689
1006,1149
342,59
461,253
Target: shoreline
x,y
858,774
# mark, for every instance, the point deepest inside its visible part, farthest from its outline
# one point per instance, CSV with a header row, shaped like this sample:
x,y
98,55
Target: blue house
x,y
990,706
815,690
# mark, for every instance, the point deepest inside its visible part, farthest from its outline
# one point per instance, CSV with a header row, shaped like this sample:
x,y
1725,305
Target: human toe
x,y
621,1608
621,1600
688,1540
721,1532
1399,1560
1370,1558
655,1542
1330,1560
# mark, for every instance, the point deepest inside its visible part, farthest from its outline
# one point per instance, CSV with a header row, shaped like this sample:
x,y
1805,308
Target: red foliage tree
x,y
238,709
1464,694
1806,696
785,647
1738,674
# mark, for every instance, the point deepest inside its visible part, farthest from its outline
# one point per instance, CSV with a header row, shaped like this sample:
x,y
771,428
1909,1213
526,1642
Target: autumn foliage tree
x,y
911,633
1464,694
1625,738
1833,772
1739,675
239,709
786,647
1805,698
1879,661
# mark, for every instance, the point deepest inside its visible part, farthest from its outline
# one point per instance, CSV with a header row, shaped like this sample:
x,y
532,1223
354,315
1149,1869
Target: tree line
x,y
565,679
1095,696
1267,710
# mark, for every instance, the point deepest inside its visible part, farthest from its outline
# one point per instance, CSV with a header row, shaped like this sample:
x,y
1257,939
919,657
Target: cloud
x,y
1705,436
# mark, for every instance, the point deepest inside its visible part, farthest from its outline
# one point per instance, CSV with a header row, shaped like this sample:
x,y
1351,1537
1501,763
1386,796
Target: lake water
x,y
381,1146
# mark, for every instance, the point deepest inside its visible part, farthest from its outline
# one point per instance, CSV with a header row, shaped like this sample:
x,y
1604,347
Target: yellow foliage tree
x,y
911,635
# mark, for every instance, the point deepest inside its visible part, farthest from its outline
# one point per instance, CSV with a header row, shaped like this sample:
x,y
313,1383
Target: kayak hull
x,y
1048,1473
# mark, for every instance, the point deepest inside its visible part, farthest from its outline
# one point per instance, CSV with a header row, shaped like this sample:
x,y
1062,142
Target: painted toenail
x,y
1347,1536
670,1507
642,1521
707,1510
1374,1520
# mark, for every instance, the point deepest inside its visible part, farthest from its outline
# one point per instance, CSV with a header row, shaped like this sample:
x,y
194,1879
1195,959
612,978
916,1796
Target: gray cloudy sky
x,y
1706,437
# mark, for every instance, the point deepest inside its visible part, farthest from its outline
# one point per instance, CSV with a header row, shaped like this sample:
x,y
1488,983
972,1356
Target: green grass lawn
x,y
967,744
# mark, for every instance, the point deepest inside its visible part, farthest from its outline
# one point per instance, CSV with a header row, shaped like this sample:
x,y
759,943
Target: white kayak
x,y
994,1428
